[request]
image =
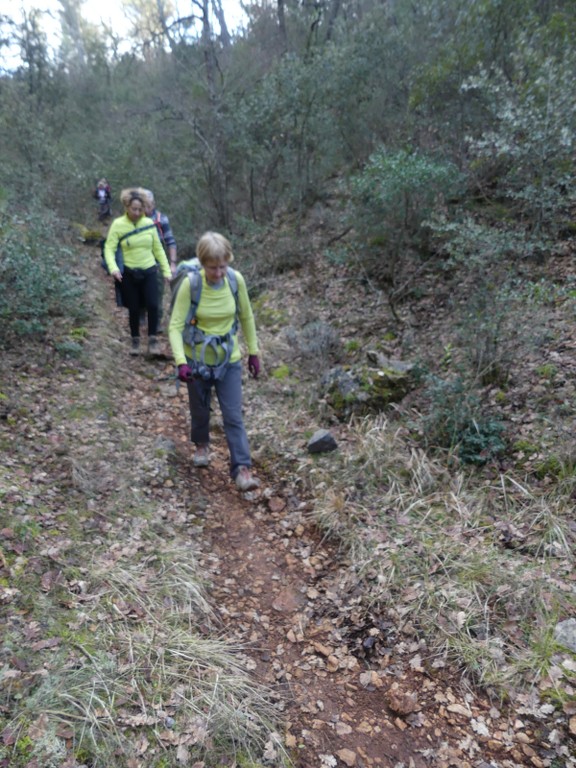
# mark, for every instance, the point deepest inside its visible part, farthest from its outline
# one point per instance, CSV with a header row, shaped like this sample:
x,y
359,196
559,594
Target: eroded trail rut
x,y
350,691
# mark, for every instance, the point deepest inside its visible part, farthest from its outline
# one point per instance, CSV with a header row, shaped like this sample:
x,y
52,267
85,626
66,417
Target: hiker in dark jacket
x,y
203,366
103,194
143,256
168,241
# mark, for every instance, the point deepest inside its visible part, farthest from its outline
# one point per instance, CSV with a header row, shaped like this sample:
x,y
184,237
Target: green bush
x,y
455,421
493,325
527,152
392,198
397,191
35,282
481,441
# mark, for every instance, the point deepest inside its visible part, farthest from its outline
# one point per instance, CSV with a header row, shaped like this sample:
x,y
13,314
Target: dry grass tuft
x,y
144,683
476,571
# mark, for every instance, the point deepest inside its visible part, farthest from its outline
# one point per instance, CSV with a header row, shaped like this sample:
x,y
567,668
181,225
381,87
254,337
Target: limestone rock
x,y
565,633
365,390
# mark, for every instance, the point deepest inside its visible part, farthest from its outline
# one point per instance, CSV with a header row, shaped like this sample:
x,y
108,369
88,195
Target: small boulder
x,y
322,442
366,390
565,634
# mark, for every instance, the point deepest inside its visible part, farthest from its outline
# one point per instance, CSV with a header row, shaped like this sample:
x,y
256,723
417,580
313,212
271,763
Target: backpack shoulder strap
x,y
195,280
233,283
157,219
135,232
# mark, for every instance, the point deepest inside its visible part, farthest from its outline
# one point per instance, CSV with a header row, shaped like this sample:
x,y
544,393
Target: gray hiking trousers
x,y
229,393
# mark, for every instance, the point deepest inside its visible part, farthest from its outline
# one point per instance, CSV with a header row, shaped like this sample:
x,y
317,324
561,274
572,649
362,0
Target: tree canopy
x,y
234,125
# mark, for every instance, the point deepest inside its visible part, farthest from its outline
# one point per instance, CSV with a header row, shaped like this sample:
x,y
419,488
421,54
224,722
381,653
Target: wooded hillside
x,y
397,180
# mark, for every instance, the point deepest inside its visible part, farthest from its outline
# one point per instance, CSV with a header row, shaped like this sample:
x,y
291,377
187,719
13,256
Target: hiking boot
x,y
153,346
135,345
245,481
202,456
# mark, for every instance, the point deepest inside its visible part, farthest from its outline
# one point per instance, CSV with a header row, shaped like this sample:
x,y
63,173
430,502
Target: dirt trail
x,y
352,695
350,689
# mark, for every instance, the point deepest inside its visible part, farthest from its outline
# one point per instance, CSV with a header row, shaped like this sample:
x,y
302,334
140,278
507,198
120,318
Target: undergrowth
x,y
37,283
480,571
112,654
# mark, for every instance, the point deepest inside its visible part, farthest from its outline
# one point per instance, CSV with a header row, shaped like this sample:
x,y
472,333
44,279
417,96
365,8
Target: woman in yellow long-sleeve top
x,y
142,256
208,355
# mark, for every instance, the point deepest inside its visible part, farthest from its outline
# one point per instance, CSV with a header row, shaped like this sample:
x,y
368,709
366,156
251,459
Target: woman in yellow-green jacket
x,y
141,257
207,353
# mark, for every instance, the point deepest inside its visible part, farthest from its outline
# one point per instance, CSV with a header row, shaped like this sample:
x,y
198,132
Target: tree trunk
x,y
218,173
282,26
224,33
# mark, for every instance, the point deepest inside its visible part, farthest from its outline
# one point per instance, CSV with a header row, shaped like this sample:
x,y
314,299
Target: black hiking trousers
x,y
140,289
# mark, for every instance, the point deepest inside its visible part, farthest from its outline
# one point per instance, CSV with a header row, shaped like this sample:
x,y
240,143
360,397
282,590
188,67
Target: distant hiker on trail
x,y
134,255
168,241
203,337
103,194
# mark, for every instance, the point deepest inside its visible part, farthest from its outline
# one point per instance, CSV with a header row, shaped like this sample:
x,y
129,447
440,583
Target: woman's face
x,y
215,271
135,210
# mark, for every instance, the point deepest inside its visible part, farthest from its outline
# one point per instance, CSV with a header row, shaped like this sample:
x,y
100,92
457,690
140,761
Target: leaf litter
x,y
266,592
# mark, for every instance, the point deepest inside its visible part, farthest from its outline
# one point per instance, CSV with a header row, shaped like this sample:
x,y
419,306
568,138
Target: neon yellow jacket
x,y
215,316
140,251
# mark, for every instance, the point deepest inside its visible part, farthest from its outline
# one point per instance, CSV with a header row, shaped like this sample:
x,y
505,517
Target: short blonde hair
x,y
132,193
147,194
213,246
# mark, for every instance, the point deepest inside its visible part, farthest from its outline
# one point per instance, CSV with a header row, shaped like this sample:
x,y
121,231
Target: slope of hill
x,y
152,610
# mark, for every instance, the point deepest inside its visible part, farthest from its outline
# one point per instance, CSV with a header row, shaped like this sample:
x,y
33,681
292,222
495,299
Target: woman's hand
x,y
185,373
253,366
117,275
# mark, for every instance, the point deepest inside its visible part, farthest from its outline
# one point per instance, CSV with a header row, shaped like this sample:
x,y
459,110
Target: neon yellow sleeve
x,y
177,320
246,317
111,245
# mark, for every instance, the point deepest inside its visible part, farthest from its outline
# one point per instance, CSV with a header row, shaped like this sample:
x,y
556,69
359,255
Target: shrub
x,y
392,198
481,441
35,283
492,322
530,144
455,421
317,344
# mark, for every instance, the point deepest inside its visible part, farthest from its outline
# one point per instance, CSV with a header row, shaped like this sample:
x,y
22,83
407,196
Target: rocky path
x,y
352,692
349,689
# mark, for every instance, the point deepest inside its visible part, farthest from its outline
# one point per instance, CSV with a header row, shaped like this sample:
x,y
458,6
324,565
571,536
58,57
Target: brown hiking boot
x,y
202,456
153,346
245,481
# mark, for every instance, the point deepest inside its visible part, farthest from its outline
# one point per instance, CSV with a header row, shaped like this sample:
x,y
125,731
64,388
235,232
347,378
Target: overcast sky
x,y
109,11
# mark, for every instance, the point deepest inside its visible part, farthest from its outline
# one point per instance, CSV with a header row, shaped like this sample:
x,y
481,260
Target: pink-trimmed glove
x,y
185,372
253,366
